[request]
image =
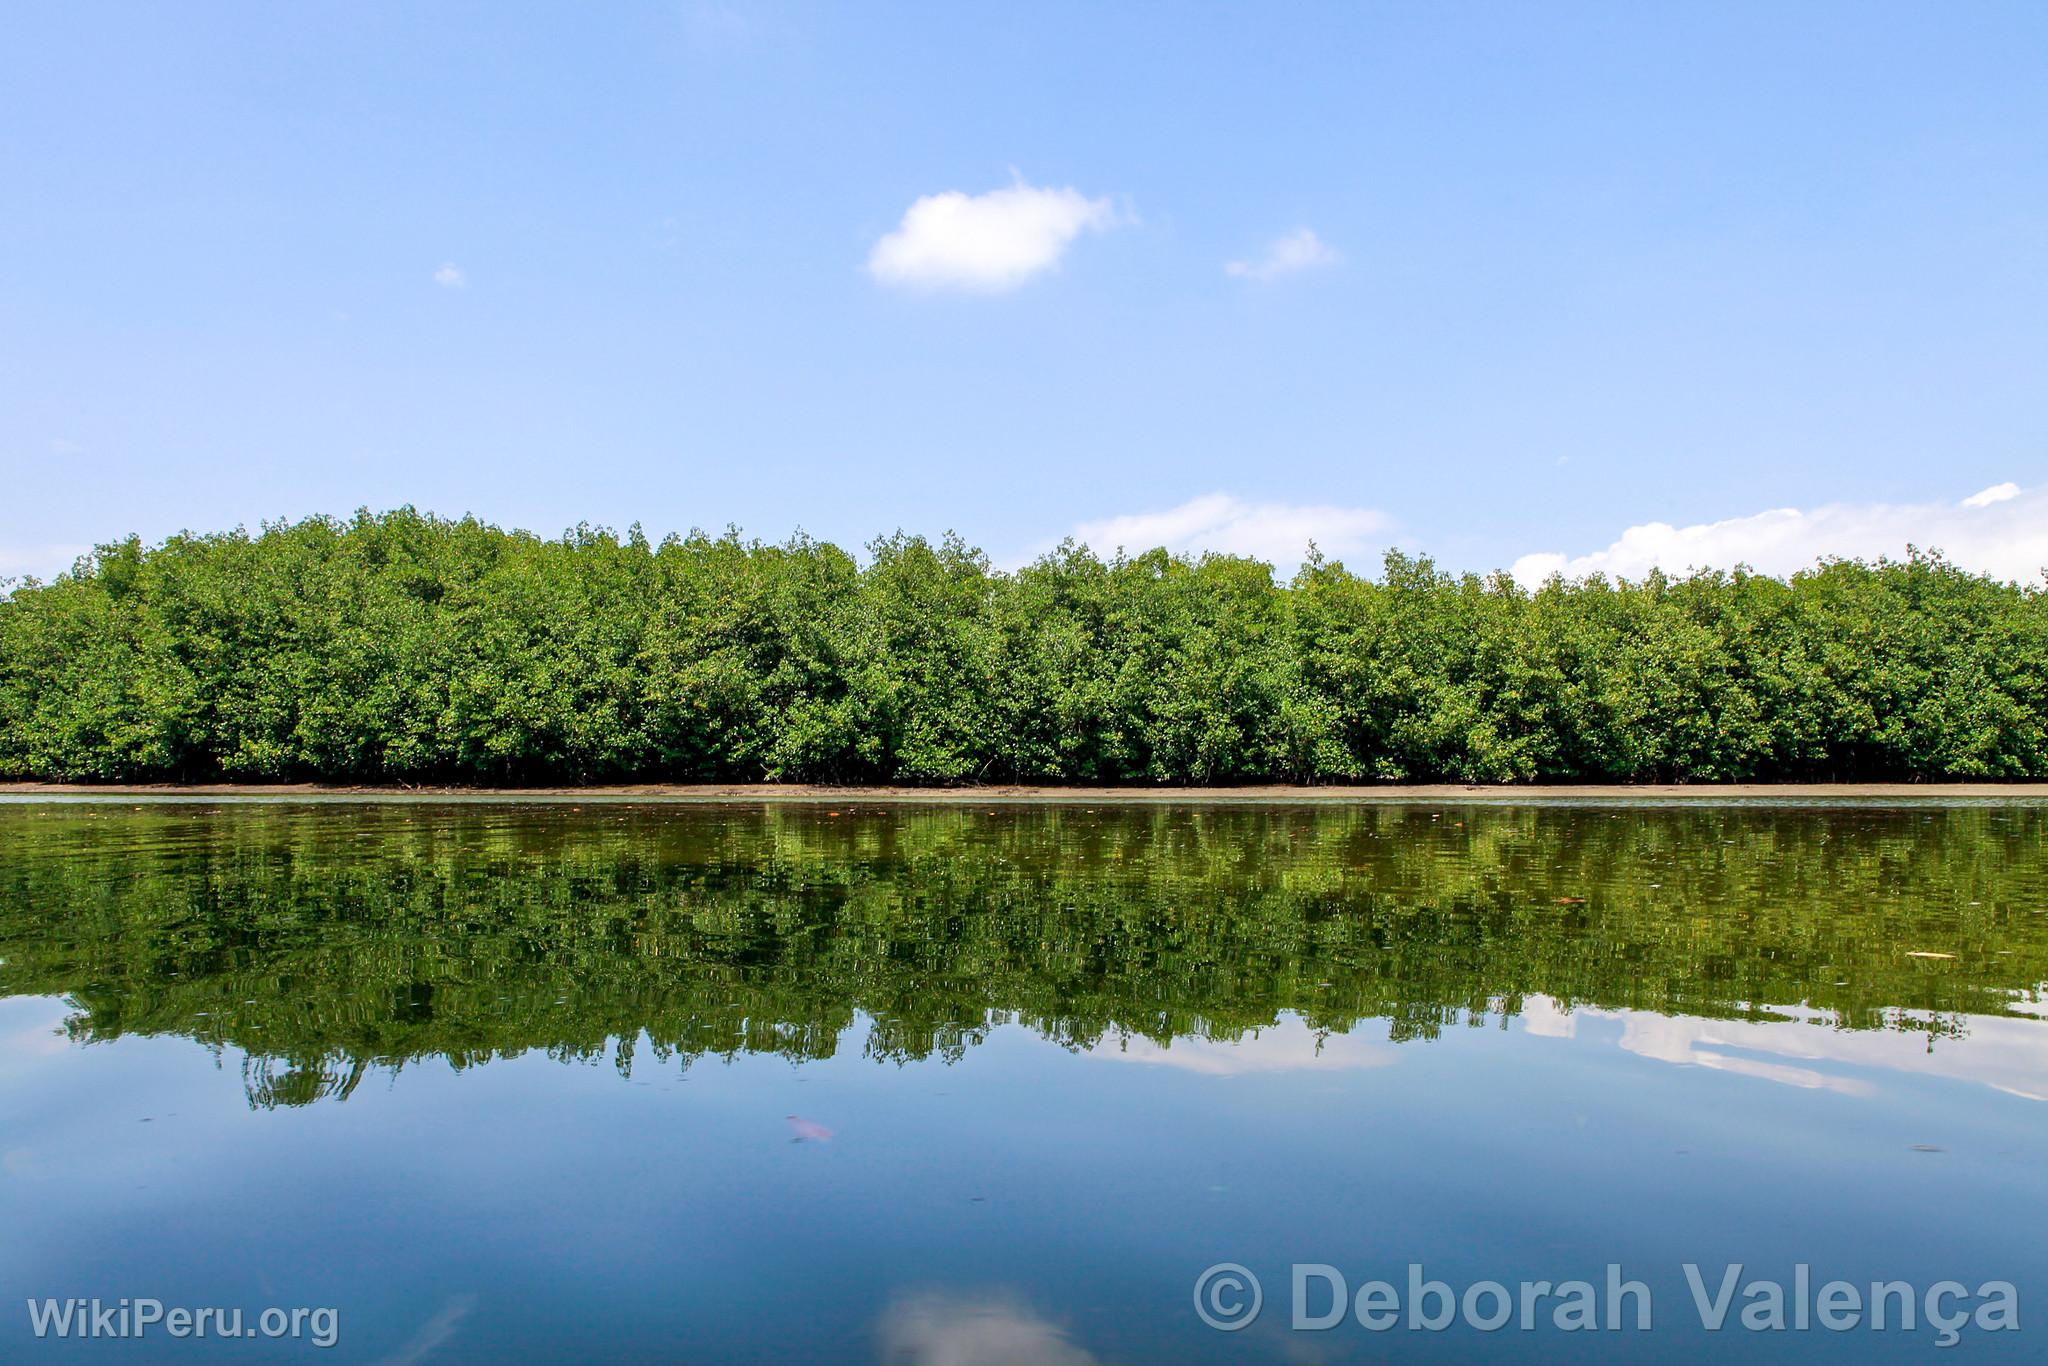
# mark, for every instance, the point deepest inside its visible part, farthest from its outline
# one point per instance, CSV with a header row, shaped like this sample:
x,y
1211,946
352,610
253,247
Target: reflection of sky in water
x,y
940,1328
433,1335
2009,1055
1286,1046
1042,1068
1025,1203
1799,1048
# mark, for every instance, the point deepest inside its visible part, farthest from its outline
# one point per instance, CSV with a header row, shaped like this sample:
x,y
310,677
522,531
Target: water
x,y
500,1081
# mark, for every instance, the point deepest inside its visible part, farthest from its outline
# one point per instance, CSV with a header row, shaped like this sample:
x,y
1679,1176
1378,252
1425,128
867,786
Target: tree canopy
x,y
400,646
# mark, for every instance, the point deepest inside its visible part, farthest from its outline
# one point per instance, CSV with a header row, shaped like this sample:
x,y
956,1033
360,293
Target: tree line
x,y
403,647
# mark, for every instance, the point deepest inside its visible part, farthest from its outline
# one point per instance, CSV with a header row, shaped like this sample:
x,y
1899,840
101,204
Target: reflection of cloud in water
x,y
434,1332
1804,1077
2009,1055
938,1328
33,1027
1289,1046
1678,1039
1546,1018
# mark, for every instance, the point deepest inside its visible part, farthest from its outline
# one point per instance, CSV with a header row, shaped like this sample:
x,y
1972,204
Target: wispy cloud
x,y
451,276
2002,531
1997,493
1278,533
986,242
1298,251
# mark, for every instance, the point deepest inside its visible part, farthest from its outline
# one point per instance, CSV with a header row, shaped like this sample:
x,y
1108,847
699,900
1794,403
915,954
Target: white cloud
x,y
451,276
2001,531
1997,493
1298,250
1278,533
989,242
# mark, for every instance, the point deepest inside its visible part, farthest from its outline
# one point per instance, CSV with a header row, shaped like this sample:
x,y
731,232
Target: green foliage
x,y
326,939
399,647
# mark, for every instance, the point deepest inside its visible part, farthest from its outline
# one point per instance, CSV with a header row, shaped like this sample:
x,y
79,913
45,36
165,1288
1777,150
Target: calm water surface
x,y
506,1082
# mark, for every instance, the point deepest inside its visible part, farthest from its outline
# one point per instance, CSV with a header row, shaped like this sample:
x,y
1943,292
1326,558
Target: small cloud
x,y
1997,493
1278,533
1297,251
2002,531
451,276
987,242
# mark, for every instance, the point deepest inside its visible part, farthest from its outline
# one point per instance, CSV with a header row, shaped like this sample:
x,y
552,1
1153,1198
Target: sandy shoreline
x,y
1273,794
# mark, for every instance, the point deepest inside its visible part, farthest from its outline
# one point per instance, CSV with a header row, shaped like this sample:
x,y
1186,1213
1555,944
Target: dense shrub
x,y
401,646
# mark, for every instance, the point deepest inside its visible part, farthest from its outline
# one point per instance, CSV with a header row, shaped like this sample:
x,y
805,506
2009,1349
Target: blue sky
x,y
1510,280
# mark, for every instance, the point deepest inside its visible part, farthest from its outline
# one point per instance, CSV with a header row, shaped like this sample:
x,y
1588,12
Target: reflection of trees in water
x,y
325,941
271,1082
